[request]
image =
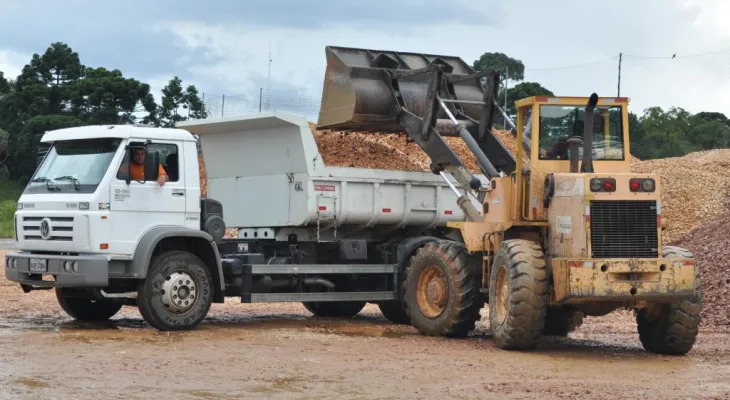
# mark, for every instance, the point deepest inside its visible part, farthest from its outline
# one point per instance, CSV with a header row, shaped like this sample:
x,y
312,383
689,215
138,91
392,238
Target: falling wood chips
x,y
694,187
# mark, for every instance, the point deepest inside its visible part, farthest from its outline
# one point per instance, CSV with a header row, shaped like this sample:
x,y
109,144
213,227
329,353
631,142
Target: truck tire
x,y
671,328
395,312
441,291
562,321
86,309
518,295
177,293
334,309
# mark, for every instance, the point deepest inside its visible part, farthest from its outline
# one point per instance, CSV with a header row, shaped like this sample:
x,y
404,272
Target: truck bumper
x,y
65,271
610,280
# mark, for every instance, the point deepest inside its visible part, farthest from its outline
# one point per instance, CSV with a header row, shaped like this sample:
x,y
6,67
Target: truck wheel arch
x,y
164,238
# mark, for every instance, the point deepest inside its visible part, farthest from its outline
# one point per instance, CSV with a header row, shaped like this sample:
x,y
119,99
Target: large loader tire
x,y
561,321
86,309
441,290
334,309
671,328
518,295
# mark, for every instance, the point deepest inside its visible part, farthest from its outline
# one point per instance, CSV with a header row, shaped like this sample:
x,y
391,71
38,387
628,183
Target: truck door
x,y
138,207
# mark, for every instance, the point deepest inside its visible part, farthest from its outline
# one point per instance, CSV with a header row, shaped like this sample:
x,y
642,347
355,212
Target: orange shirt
x,y
137,171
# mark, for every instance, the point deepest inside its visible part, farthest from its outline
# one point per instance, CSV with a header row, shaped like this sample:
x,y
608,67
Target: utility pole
x,y
620,56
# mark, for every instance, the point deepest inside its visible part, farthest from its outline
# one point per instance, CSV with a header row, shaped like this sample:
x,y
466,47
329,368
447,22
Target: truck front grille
x,y
54,228
624,229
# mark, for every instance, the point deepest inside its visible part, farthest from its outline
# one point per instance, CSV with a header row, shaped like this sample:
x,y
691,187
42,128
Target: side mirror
x,y
151,165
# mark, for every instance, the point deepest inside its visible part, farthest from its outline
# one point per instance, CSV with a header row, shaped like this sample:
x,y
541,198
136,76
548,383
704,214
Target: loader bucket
x,y
357,90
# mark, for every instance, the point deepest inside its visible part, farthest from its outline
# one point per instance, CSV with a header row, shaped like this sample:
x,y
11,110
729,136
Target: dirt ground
x,y
281,351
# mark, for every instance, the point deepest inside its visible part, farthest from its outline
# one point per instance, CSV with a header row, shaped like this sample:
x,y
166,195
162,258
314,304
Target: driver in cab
x,y
135,169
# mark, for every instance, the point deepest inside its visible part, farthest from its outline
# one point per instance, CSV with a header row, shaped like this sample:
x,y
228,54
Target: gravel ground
x,y
281,351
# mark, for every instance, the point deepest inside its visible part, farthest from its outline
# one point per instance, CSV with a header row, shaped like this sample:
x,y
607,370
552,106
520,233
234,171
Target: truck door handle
x,y
178,193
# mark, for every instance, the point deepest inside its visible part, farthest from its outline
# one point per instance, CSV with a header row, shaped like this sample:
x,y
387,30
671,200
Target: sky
x,y
222,46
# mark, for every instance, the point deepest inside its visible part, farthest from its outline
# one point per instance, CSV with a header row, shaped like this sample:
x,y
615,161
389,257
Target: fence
x,y
697,82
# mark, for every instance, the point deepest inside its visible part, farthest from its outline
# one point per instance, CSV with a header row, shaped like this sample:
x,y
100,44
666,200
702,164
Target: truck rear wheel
x,y
334,309
671,328
177,293
562,321
83,309
395,312
441,292
518,294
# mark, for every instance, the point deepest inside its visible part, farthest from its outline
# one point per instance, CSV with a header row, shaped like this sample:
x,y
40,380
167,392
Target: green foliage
x,y
509,68
521,91
55,90
9,195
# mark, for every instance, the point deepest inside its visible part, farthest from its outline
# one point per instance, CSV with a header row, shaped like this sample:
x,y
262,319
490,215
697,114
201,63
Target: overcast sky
x,y
222,46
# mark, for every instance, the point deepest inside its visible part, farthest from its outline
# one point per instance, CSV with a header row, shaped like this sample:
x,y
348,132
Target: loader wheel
x,y
671,328
518,294
561,321
334,309
83,309
441,291
177,293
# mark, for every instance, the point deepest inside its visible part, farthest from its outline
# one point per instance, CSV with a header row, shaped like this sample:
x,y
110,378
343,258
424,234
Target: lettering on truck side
x,y
324,188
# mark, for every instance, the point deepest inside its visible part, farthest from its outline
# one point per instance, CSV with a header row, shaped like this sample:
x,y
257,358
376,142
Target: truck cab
x,y
85,221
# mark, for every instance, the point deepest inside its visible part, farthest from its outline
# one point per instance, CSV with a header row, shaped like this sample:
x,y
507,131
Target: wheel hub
x,y
433,292
179,292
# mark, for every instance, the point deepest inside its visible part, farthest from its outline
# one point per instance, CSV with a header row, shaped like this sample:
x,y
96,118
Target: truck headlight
x,y
84,205
20,206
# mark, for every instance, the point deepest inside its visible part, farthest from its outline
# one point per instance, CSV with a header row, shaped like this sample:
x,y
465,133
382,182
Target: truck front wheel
x,y
441,290
177,293
518,295
334,309
84,309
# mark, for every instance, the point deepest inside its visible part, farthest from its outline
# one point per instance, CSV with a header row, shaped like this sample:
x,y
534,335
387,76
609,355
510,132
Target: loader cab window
x,y
558,123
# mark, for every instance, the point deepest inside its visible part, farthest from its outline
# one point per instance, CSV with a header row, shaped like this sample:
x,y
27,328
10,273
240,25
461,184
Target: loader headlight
x,y
595,185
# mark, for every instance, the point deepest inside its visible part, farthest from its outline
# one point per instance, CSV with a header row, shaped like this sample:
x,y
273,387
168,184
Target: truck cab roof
x,y
117,131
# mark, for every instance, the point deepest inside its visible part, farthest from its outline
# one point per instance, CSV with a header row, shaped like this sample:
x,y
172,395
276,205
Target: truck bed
x,y
267,172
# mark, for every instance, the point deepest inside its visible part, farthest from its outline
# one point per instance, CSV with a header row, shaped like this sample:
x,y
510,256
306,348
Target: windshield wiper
x,y
47,181
69,178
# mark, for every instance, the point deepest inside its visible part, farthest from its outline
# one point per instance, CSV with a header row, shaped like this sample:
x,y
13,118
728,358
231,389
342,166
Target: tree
x,y
508,67
4,84
55,90
174,103
521,91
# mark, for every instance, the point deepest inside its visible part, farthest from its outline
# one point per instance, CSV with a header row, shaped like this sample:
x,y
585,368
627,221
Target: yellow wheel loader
x,y
565,230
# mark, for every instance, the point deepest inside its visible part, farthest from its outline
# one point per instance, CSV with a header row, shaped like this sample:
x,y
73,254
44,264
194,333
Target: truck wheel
x,y
177,293
518,295
334,309
671,328
86,309
561,321
395,312
441,293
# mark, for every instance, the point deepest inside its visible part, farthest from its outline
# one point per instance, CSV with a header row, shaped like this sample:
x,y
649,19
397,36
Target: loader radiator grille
x,y
621,229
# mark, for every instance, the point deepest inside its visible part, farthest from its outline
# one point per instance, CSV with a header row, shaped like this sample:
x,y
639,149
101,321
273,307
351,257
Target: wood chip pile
x,y
694,188
710,243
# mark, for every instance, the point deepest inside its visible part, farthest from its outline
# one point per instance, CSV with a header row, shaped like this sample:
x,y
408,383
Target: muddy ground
x,y
280,351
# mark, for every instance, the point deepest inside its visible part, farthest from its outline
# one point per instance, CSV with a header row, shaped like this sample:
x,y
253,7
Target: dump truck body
x,y
271,179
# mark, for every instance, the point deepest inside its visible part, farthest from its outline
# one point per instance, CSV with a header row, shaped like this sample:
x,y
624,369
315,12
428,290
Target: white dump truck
x,y
332,238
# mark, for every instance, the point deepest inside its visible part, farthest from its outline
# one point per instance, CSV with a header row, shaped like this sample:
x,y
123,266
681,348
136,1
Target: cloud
x,y
223,46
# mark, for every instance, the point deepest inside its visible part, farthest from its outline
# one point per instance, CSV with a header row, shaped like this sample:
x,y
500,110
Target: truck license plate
x,y
37,265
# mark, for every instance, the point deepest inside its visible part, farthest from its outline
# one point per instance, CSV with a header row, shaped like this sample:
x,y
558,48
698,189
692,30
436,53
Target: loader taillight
x,y
603,185
642,185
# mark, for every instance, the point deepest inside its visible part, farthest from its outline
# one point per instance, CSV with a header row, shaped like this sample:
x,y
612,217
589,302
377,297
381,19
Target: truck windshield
x,y
74,166
559,122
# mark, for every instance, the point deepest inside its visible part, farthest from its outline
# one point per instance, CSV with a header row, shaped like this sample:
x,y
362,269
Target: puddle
x,y
32,383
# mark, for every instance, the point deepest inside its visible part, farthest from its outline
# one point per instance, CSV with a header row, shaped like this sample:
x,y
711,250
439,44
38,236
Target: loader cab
x,y
549,122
